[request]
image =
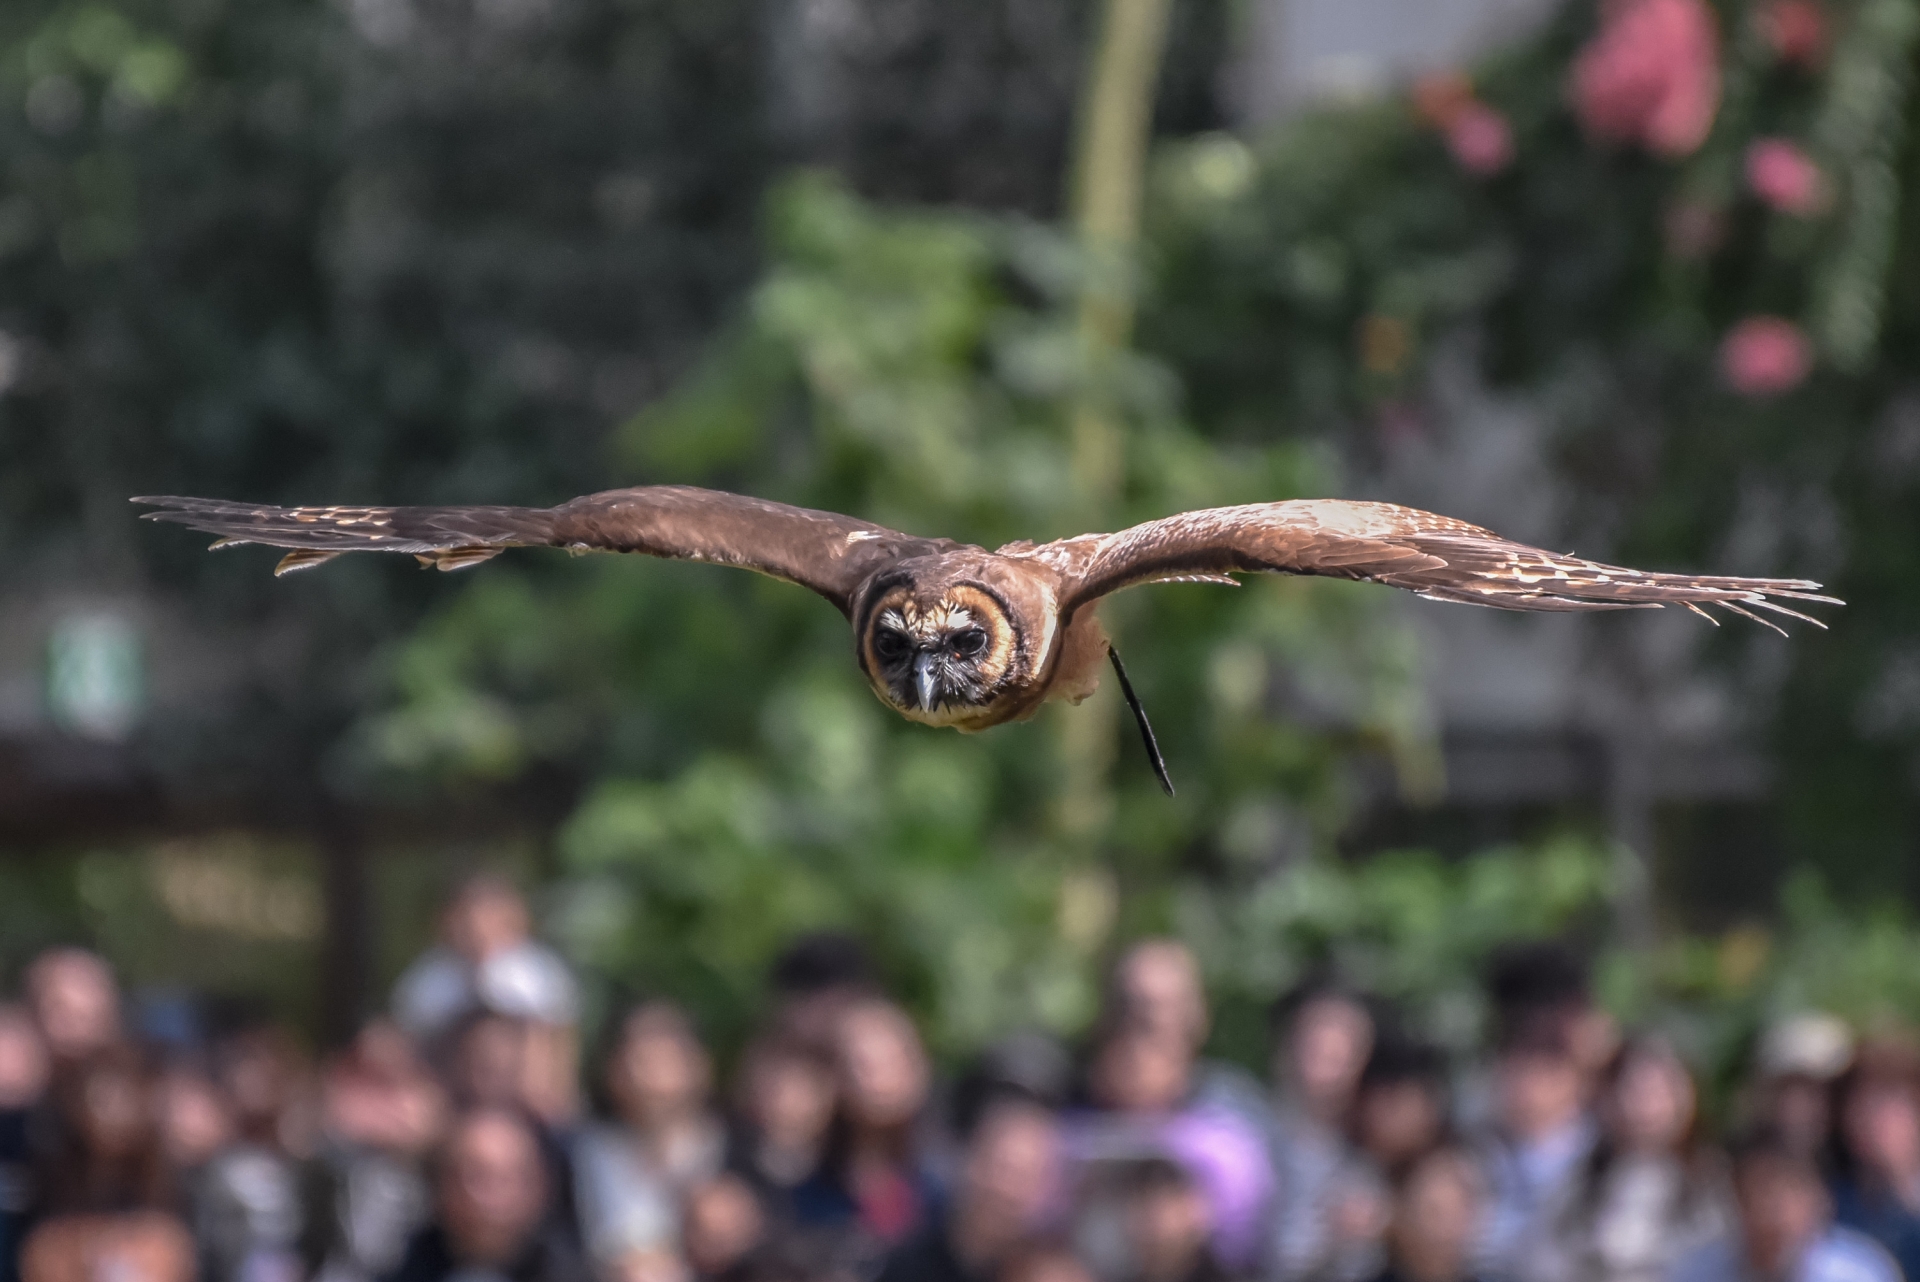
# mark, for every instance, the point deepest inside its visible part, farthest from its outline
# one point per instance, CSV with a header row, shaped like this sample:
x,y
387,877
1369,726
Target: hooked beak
x,y
923,680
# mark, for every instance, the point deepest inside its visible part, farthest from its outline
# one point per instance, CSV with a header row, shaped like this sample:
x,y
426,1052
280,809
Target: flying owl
x,y
949,634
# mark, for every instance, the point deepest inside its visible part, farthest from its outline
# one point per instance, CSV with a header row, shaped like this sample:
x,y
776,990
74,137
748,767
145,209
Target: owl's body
x,y
949,634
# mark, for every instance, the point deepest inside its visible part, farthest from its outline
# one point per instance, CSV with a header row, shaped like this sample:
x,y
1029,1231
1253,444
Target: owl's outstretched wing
x,y
824,551
1435,556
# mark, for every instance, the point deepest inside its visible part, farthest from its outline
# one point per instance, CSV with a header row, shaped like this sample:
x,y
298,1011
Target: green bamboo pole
x,y
1116,116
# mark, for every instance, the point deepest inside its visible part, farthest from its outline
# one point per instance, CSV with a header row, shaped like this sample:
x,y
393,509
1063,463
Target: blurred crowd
x,y
467,1135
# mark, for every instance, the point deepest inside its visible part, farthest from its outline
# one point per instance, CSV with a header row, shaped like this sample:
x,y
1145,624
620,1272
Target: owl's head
x,y
937,659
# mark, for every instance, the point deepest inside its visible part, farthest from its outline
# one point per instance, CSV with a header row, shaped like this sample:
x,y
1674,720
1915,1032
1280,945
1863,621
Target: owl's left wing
x,y
1435,556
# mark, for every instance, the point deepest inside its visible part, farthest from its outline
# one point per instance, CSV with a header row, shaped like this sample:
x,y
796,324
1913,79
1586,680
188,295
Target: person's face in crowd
x,y
659,1071
1397,1121
1141,1070
1329,1044
493,1188
116,1111
722,1223
1798,1108
1159,986
261,1073
23,1059
142,1246
1783,1208
379,1095
490,1062
485,918
75,1001
1167,1227
1011,1167
1881,1124
791,1099
194,1123
1435,1217
883,1068
1593,1038
1540,1091
1049,1264
650,1264
1651,1104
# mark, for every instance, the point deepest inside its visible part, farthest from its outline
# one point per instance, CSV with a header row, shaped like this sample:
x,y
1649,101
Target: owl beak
x,y
923,678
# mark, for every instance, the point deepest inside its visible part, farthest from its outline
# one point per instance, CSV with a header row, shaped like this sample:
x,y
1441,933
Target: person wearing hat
x,y
1797,1062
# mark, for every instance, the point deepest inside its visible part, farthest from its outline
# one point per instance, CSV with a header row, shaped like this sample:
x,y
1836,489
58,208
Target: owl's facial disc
x,y
948,656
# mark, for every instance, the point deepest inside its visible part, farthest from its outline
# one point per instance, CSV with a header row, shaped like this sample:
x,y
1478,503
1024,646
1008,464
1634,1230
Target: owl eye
x,y
890,645
968,642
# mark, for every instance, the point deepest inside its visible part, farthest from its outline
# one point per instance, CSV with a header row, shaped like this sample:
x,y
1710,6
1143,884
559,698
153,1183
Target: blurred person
x,y
1784,1230
104,1194
814,978
106,1155
722,1226
632,1171
491,1061
195,1122
1798,1060
75,1000
366,1192
139,1246
1044,1261
1400,1107
1437,1204
24,1071
246,1202
1534,1152
1876,1149
1008,1182
1399,1113
1157,984
486,956
1140,1083
1650,1191
492,1210
1536,983
1168,1227
884,1084
787,1098
1323,1039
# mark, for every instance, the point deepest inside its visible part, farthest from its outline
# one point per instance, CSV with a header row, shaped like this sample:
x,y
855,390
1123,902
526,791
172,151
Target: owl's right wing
x,y
825,551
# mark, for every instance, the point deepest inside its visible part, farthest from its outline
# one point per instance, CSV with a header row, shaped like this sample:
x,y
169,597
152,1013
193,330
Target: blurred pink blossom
x,y
1765,356
1480,139
1785,177
1651,76
1796,31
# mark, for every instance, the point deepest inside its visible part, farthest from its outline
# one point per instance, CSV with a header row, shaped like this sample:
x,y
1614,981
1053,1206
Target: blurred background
x,y
993,270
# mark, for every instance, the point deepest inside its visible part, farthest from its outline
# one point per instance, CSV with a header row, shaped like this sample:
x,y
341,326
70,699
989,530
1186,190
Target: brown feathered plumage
x,y
951,634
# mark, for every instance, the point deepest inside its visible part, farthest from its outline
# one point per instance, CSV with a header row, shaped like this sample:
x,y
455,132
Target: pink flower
x,y
1764,356
1651,76
1480,139
1785,177
1796,31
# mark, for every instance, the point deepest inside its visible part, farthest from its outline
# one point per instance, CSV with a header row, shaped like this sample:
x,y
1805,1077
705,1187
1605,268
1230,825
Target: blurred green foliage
x,y
916,367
